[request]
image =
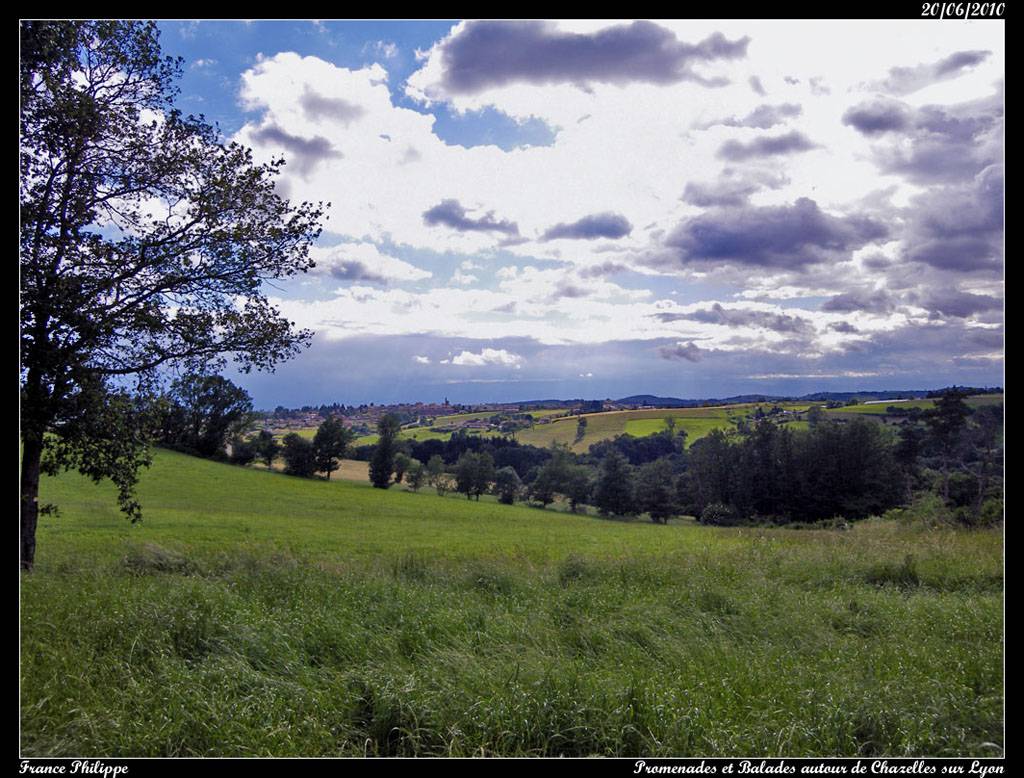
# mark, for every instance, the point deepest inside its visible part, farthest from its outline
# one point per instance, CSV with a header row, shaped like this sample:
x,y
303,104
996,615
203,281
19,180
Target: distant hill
x,y
906,394
676,402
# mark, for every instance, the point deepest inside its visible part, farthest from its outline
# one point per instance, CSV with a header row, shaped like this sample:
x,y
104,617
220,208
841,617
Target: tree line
x,y
761,472
765,472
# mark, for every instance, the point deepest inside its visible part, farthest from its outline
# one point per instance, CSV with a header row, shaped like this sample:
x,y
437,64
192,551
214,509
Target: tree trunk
x,y
983,479
33,450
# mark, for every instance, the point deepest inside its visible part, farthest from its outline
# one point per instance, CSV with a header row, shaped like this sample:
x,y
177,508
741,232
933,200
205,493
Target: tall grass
x,y
256,614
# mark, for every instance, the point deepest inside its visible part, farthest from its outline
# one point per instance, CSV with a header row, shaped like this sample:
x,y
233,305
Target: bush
x,y
242,451
719,515
992,513
927,510
299,456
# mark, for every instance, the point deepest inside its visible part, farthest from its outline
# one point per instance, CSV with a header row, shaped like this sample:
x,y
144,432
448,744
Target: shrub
x,y
299,456
719,515
242,451
927,510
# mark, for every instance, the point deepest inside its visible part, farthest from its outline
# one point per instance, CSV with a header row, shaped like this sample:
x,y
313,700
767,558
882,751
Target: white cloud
x,y
489,356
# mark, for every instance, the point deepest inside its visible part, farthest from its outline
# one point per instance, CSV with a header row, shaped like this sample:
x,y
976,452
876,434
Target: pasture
x,y
252,614
697,422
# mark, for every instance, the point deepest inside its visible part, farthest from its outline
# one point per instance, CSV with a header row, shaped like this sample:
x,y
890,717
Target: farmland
x,y
252,614
697,422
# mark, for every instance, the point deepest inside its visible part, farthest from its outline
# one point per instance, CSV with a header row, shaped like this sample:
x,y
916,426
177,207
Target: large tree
x,y
145,241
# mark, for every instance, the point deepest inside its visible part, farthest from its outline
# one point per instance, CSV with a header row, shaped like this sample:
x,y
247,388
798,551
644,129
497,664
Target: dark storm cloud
x,y
353,270
959,304
319,107
844,327
877,262
743,317
872,301
986,338
488,54
979,362
878,116
598,225
924,347
964,253
790,143
304,153
688,352
932,144
958,228
787,236
450,213
905,80
763,117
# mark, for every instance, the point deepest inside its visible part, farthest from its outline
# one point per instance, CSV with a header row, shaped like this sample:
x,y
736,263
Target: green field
x,y
879,409
252,613
697,422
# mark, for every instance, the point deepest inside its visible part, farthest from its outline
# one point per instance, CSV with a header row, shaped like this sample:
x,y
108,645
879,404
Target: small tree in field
x,y
401,464
474,473
382,463
436,475
299,456
266,446
507,484
330,443
242,451
415,474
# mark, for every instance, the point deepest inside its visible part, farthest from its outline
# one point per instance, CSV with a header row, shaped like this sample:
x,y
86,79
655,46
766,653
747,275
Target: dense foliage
x,y
200,414
144,243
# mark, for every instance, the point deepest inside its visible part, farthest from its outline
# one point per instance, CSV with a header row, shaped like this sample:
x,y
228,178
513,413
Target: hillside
x,y
253,614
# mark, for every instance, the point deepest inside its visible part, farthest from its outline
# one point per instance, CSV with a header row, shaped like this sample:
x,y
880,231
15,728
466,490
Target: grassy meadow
x,y
253,614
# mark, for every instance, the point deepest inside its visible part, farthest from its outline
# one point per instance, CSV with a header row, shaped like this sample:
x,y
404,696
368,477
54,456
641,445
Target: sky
x,y
694,208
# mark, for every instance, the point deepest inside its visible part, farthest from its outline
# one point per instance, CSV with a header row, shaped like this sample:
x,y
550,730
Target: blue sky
x,y
524,210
